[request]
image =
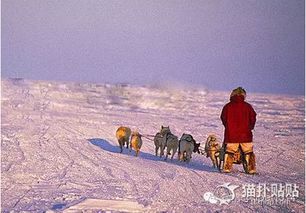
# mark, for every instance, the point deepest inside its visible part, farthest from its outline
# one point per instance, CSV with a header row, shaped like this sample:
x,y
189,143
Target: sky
x,y
215,44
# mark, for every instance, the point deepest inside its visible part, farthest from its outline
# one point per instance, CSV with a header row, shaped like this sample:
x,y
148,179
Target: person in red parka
x,y
238,118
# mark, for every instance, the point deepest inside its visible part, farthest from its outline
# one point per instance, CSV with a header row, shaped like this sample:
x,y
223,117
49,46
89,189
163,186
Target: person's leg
x,y
230,149
250,163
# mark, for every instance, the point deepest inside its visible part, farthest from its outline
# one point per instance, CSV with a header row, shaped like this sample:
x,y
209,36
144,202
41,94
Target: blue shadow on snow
x,y
107,146
58,206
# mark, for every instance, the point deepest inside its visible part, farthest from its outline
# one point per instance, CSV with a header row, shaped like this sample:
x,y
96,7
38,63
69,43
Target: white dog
x,y
168,140
186,147
158,142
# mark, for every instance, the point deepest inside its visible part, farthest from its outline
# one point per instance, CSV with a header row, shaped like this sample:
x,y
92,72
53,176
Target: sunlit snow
x,y
59,150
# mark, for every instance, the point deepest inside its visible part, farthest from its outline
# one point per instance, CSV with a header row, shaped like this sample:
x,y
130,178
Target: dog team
x,y
164,139
238,118
185,146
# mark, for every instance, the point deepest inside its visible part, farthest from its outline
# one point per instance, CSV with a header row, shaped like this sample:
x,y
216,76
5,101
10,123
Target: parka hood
x,y
238,94
237,98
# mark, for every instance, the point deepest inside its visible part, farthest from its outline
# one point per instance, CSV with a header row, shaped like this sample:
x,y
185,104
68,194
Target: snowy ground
x,y
59,151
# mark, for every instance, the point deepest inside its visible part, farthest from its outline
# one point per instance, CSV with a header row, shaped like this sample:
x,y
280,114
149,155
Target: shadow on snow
x,y
107,146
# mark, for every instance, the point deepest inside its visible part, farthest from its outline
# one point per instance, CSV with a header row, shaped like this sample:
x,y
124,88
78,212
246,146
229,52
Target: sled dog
x,y
169,141
158,142
186,147
136,142
212,149
123,135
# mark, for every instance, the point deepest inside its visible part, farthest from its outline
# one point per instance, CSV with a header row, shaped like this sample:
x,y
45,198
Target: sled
x,y
237,159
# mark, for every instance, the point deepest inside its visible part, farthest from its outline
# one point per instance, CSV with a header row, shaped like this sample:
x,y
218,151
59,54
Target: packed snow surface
x,y
59,151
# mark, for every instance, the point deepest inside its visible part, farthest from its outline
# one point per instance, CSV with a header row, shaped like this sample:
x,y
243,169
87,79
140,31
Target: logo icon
x,y
223,194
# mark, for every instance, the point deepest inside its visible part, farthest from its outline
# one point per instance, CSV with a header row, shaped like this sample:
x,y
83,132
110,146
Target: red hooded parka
x,y
238,118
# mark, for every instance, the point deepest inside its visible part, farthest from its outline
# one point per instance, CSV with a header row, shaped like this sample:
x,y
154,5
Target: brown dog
x,y
212,149
123,136
136,142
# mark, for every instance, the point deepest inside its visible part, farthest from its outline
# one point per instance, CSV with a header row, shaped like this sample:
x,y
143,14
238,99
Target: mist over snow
x,y
59,151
